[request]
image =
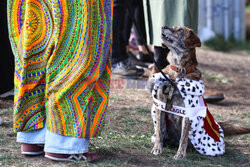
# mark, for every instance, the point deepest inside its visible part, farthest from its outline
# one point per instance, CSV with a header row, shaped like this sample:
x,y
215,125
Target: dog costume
x,y
205,133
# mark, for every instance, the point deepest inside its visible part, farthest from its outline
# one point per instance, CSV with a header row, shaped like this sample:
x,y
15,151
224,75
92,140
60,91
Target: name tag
x,y
182,111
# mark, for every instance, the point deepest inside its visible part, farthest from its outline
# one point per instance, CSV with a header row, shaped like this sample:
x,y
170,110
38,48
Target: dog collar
x,y
187,70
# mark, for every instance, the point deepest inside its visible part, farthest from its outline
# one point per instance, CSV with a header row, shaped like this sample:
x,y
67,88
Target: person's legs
x,y
118,47
128,23
54,82
121,64
139,18
133,10
140,31
141,37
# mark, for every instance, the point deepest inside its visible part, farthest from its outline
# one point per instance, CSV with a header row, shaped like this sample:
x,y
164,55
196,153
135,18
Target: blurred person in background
x,y
122,24
135,10
6,58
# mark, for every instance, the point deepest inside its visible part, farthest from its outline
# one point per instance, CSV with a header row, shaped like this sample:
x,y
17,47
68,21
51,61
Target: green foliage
x,y
219,44
248,8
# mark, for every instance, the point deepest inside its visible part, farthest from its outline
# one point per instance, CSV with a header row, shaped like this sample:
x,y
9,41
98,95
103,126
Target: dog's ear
x,y
192,40
191,58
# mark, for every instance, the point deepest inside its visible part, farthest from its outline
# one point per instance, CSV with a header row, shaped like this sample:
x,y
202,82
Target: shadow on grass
x,y
227,103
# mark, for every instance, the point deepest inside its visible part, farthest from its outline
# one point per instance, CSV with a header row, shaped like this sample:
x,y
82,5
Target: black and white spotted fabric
x,y
192,93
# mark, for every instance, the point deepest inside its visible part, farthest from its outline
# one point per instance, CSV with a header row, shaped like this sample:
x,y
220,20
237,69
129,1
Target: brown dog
x,y
182,42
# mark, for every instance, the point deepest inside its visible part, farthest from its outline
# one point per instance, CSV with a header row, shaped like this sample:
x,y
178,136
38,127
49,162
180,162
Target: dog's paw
x,y
179,156
157,150
153,138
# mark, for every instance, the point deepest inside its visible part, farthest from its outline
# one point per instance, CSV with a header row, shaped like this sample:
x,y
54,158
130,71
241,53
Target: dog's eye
x,y
180,30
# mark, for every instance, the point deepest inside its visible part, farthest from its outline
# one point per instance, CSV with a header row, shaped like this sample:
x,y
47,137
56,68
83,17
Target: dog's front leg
x,y
157,150
181,153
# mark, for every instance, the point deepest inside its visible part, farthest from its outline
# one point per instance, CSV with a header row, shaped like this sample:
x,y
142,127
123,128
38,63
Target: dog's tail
x,y
231,129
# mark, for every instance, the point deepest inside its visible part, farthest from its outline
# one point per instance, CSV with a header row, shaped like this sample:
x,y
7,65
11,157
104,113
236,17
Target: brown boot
x,y
72,157
31,149
213,96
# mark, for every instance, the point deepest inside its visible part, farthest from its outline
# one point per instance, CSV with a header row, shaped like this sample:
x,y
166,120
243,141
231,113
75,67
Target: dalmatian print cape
x,y
205,134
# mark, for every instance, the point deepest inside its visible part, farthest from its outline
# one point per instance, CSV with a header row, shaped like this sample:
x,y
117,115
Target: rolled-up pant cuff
x,y
54,143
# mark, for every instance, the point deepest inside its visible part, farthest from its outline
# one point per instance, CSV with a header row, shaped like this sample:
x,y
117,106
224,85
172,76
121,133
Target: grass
x,y
6,159
125,141
142,109
248,8
219,44
115,98
218,77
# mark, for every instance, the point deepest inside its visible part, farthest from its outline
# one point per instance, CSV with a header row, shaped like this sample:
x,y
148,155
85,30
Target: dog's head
x,y
180,40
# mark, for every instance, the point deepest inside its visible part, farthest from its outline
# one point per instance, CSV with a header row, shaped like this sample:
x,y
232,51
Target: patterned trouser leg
x,y
62,64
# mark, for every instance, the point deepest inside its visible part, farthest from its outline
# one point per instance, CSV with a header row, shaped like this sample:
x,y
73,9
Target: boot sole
x,y
58,159
32,153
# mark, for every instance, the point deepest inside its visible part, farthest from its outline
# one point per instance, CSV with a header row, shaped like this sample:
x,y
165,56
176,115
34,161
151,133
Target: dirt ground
x,y
230,74
126,137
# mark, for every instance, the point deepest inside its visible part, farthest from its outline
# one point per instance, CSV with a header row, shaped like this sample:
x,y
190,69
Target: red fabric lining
x,y
210,128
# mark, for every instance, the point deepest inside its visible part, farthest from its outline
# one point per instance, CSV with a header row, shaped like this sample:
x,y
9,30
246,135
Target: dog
x,y
173,126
